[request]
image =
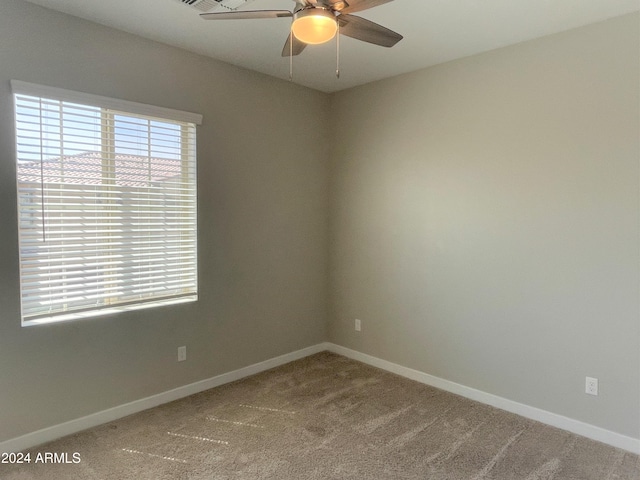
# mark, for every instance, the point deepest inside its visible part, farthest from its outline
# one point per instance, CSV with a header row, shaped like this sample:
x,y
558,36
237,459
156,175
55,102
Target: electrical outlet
x,y
358,325
591,386
182,354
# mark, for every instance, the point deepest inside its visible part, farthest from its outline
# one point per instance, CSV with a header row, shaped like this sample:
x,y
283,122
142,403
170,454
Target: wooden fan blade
x,y
359,5
298,46
244,15
367,31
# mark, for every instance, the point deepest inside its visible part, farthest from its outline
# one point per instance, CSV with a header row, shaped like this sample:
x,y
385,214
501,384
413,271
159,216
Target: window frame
x,y
107,107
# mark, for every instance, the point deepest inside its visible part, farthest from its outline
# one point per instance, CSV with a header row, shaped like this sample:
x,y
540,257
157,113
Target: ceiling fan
x,y
318,21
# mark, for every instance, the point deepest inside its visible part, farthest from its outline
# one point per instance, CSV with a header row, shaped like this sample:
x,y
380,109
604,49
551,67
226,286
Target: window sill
x,y
67,317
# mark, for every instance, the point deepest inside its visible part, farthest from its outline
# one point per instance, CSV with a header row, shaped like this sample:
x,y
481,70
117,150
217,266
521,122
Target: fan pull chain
x,y
338,51
291,54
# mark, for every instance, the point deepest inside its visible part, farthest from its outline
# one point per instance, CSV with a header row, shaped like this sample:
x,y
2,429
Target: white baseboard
x,y
580,428
51,433
555,420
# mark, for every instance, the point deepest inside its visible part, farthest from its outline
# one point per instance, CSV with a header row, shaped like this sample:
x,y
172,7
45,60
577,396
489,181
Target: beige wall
x,y
262,225
485,222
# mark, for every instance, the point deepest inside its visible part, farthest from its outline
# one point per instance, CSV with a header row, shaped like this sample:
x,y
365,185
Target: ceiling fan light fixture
x,y
314,25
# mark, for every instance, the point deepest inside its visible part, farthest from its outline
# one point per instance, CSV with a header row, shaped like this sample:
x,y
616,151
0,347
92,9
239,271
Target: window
x,y
106,204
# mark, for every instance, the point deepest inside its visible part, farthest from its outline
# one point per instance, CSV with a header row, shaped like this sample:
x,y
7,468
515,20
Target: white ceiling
x,y
435,31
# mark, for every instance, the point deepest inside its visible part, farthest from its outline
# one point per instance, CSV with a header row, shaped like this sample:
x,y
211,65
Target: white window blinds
x,y
106,204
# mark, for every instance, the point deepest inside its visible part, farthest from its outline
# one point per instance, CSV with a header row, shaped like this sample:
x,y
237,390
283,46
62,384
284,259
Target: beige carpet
x,y
328,417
